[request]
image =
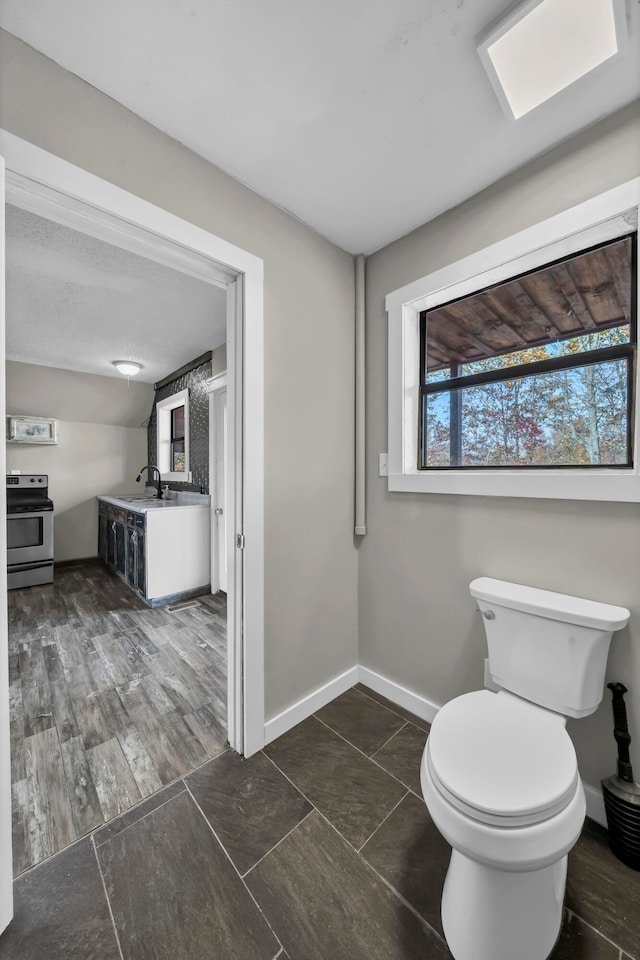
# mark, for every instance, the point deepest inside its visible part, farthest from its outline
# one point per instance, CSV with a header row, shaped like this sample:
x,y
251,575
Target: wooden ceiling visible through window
x,y
583,294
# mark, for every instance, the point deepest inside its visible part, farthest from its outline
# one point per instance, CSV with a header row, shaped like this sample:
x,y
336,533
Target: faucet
x,y
149,467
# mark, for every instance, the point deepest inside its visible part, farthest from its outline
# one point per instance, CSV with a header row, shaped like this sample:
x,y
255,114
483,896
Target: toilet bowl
x,y
510,829
499,773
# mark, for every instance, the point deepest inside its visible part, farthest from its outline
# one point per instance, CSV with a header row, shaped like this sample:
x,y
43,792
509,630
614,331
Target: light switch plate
x,y
383,464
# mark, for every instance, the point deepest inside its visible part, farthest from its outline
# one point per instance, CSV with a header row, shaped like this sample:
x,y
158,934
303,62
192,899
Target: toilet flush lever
x,y
487,614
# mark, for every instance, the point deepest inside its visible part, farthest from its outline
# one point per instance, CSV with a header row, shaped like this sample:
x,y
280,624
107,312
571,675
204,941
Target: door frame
x,y
43,183
215,385
6,866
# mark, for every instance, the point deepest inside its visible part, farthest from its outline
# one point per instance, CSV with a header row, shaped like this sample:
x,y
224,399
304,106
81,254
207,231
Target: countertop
x,y
146,504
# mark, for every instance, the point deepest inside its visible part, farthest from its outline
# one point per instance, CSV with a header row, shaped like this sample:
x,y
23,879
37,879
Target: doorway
x,y
44,184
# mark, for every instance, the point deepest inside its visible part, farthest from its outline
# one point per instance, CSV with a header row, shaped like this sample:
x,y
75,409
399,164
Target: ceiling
x,y
363,118
78,303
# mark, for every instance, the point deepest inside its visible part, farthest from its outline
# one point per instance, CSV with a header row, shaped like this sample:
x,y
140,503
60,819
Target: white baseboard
x,y
399,695
595,804
303,708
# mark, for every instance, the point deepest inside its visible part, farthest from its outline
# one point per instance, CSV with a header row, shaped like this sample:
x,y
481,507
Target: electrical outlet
x,y
383,464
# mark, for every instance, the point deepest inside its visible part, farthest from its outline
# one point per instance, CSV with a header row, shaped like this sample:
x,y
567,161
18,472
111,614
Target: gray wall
x,y
417,621
101,444
310,557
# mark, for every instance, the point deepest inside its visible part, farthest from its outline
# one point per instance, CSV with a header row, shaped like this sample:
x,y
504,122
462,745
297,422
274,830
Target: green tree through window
x,y
537,372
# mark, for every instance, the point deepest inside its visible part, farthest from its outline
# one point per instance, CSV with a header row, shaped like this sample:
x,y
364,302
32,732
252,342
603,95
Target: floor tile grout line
x,y
391,710
276,845
134,822
288,778
405,787
363,754
382,822
406,903
233,866
393,735
366,863
572,913
106,894
320,813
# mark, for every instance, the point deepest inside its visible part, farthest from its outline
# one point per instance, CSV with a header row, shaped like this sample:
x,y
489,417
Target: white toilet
x,y
499,772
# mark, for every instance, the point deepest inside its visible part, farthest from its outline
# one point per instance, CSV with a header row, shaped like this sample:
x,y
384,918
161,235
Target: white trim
x,y
163,436
604,217
427,710
217,382
401,696
308,705
6,871
214,385
34,173
595,804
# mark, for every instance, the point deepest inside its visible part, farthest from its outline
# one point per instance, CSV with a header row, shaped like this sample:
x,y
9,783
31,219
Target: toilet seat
x,y
501,760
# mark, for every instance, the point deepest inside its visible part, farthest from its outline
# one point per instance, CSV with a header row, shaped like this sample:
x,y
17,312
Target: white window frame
x,y
163,413
605,217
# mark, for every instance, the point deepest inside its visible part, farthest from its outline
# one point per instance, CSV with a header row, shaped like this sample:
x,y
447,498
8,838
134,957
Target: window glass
x,y
535,372
178,462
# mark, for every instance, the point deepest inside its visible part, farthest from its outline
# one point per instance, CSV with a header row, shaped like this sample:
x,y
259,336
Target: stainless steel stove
x,y
29,530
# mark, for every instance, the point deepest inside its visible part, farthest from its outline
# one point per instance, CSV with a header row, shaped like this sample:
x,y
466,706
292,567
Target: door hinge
x,y
240,541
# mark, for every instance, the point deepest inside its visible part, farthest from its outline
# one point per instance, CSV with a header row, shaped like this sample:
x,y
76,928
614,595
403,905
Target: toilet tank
x,y
547,647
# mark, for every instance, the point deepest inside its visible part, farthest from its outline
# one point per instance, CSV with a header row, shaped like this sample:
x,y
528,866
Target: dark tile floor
x,y
318,848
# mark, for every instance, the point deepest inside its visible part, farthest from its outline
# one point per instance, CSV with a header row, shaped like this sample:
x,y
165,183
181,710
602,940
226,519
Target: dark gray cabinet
x,y
136,552
103,527
112,538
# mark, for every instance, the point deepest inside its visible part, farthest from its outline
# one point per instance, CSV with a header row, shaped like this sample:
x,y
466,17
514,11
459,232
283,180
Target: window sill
x,y
175,477
622,486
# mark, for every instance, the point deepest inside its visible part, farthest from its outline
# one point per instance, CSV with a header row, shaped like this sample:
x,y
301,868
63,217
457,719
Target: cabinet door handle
x,y
113,525
218,511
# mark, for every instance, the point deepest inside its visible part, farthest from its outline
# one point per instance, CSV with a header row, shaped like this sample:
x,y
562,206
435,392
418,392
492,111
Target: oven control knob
x,y
33,479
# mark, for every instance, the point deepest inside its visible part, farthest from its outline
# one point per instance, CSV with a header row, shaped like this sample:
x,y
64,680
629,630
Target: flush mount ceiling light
x,y
128,368
545,45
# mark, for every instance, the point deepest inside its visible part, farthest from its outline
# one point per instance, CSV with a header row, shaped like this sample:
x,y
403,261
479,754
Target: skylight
x,y
546,45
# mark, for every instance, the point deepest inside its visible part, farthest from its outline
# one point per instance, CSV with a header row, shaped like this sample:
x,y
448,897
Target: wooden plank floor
x,y
110,701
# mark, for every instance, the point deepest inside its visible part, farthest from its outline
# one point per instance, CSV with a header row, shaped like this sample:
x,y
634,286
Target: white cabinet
x,y
178,551
165,550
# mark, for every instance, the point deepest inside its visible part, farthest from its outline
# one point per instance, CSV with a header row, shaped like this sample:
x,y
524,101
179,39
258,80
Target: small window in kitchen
x,y
535,372
178,462
173,437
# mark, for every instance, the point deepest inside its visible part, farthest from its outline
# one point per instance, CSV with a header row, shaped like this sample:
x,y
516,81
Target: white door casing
x,y
60,191
217,389
6,866
221,484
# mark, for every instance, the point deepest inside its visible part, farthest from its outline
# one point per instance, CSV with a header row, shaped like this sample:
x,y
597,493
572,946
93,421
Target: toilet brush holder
x,y
621,793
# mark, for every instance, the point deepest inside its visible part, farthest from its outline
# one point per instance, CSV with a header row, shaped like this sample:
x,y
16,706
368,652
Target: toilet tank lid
x,y
546,603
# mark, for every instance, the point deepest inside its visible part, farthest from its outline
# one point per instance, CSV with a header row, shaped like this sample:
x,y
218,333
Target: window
x,y
178,462
173,437
513,371
537,371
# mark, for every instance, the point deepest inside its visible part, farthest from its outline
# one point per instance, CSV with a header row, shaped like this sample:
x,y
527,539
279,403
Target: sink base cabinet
x,y
135,553
163,555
